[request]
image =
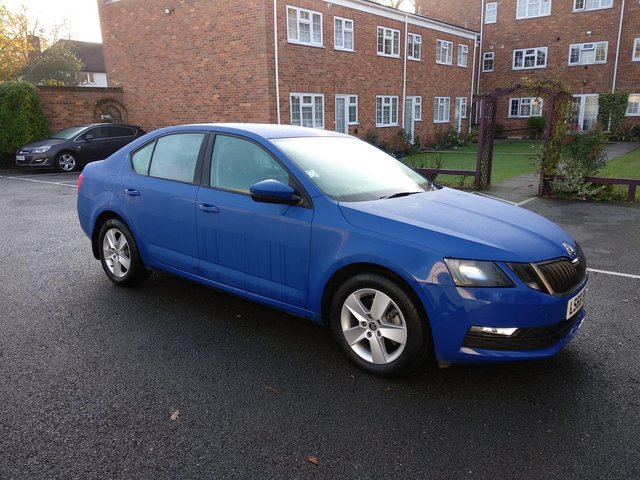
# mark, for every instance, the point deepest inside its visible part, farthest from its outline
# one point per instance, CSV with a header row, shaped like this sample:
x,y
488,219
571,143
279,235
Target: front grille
x,y
563,276
533,338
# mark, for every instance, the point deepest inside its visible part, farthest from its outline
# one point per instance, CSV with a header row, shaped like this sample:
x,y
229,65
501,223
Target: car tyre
x,y
379,326
66,162
119,254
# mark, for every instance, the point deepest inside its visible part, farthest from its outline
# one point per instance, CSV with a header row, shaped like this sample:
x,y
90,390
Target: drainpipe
x,y
404,72
615,65
481,42
473,76
275,45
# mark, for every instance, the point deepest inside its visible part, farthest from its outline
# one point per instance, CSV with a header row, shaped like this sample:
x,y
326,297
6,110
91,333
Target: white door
x,y
409,118
461,112
584,111
342,114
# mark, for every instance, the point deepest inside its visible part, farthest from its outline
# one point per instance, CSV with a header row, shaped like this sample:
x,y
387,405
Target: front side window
x,y
237,164
386,111
388,42
342,34
307,110
591,4
488,61
304,26
636,50
441,111
174,157
530,58
414,49
463,55
533,8
525,107
491,12
444,52
633,105
103,131
588,53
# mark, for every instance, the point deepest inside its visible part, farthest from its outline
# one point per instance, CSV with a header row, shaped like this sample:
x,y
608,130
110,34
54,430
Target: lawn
x,y
510,159
626,166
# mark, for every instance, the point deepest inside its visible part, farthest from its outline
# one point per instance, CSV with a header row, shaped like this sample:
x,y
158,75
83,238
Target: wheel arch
x,y
95,233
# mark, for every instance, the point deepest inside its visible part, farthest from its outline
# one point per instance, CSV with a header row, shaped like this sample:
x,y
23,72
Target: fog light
x,y
502,332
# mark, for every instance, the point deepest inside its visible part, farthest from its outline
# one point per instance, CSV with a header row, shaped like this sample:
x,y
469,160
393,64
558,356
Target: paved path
x,y
524,187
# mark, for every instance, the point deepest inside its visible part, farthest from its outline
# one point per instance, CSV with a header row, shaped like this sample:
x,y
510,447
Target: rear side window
x,y
122,131
175,156
141,159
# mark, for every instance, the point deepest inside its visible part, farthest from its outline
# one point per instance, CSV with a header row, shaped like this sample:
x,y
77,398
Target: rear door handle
x,y
131,192
205,207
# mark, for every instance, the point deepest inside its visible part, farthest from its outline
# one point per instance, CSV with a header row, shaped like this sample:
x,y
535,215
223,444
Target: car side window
x,y
141,159
175,156
237,164
117,131
97,132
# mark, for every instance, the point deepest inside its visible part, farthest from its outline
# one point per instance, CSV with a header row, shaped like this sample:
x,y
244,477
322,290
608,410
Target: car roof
x,y
87,125
265,130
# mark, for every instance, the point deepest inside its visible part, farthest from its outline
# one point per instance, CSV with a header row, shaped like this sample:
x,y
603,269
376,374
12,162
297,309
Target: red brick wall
x,y
67,106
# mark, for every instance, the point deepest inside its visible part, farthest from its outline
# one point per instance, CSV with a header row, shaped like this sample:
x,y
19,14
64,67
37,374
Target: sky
x,y
80,16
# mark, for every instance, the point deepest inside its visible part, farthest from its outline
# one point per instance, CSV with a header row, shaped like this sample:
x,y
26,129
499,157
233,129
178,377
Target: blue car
x,y
327,227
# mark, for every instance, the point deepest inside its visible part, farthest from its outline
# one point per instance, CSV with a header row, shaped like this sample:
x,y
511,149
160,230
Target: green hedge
x,y
21,117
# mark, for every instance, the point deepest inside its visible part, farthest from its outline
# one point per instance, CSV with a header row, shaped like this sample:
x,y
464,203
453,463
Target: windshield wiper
x,y
399,194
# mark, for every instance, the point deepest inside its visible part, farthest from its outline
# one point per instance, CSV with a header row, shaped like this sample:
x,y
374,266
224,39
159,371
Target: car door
x,y
93,144
261,248
159,195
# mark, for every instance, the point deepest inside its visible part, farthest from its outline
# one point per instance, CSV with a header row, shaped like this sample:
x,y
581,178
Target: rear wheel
x,y
379,326
119,255
66,162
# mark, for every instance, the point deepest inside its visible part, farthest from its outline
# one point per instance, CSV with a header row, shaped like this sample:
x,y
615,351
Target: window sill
x,y
586,10
414,59
304,44
338,49
444,63
386,126
442,121
533,16
528,68
388,56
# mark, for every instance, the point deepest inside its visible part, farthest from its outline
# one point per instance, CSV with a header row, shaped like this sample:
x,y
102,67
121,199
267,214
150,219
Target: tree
x,y
55,66
398,3
14,43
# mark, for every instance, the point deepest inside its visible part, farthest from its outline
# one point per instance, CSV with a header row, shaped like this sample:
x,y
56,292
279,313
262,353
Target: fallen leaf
x,y
272,390
175,416
313,460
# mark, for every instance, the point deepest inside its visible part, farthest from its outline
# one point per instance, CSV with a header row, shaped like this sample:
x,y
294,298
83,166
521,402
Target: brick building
x,y
347,65
593,45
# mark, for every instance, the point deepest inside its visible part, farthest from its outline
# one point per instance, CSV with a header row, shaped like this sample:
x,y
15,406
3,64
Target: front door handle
x,y
131,192
205,207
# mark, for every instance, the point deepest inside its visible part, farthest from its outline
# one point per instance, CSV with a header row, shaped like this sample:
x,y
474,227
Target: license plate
x,y
576,303
20,158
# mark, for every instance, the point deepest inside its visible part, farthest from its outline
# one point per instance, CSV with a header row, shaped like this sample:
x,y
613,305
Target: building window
x,y
488,61
417,107
533,8
346,111
463,55
388,42
386,111
636,50
530,58
342,33
87,78
633,105
414,47
591,4
307,110
525,107
444,52
304,26
461,106
491,12
588,53
441,110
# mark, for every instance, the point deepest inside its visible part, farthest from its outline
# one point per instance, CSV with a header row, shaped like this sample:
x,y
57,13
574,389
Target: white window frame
x,y
463,55
633,105
339,40
527,4
536,103
312,104
527,53
583,47
635,53
445,103
414,47
462,101
485,57
587,5
417,107
444,52
294,37
384,102
392,35
491,12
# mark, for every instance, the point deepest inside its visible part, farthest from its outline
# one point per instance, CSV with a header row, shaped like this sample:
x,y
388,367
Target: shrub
x,y
372,137
21,117
409,148
537,125
499,129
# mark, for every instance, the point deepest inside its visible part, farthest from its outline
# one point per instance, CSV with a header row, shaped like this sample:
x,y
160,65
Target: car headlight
x,y
476,273
41,149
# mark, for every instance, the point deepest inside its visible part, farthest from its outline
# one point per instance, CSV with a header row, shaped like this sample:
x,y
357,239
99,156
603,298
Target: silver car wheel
x,y
116,252
67,162
373,326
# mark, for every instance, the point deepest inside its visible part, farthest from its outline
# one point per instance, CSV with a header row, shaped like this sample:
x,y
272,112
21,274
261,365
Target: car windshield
x,y
68,133
350,170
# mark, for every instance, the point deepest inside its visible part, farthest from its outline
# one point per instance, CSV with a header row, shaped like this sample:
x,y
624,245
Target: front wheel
x,y
379,326
119,255
66,162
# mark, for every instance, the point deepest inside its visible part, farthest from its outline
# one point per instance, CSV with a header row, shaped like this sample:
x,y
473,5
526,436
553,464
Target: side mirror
x,y
273,191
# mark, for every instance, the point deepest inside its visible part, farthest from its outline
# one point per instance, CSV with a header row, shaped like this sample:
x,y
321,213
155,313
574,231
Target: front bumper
x,y
37,160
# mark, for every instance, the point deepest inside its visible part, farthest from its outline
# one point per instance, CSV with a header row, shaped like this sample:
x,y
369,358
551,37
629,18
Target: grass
x,y
625,166
510,159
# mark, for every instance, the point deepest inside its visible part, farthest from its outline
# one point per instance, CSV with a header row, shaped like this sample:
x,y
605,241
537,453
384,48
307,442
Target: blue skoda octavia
x,y
327,227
